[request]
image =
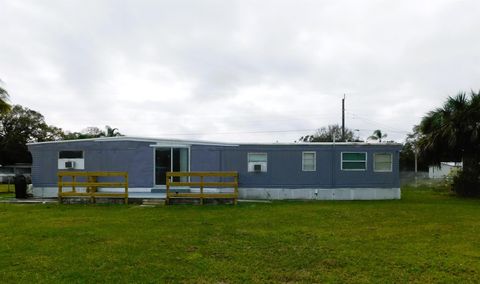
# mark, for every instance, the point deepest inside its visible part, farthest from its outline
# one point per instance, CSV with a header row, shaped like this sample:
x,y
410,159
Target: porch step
x,y
153,202
163,190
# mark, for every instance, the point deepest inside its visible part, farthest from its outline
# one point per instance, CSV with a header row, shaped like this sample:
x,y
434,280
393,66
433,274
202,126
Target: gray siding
x,y
285,166
136,158
284,163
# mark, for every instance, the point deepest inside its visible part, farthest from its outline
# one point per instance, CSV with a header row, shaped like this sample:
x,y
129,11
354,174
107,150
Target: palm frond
x,y
4,98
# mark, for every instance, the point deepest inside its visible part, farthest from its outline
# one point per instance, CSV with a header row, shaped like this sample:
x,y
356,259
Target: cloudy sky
x,y
237,70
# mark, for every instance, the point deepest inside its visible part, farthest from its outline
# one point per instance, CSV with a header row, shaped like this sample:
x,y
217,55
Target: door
x,y
163,161
170,159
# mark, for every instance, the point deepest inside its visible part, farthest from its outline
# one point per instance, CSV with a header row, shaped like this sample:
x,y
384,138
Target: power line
x,y
389,128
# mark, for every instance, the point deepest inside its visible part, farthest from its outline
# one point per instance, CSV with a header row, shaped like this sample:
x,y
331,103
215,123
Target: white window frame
x,y
79,162
355,170
257,153
314,161
375,164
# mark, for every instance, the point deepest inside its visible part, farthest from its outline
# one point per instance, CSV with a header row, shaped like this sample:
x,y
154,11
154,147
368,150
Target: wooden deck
x,y
91,184
202,184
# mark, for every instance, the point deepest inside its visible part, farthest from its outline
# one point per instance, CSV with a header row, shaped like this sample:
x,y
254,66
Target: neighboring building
x,y
8,172
330,171
443,169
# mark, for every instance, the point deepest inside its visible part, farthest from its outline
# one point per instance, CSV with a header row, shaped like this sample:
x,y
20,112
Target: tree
x,y
330,133
92,132
20,126
378,135
111,132
453,132
4,105
407,155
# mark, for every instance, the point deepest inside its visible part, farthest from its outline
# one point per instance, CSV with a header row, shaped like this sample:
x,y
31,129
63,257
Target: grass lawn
x,y
428,236
7,188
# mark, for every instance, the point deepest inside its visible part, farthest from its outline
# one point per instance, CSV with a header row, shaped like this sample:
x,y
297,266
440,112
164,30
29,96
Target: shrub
x,y
467,183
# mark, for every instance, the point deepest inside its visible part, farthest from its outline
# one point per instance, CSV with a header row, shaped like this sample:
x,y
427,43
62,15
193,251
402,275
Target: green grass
x,y
7,188
428,236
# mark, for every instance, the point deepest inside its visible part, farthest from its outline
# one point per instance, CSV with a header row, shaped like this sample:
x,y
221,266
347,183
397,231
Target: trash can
x,y
20,186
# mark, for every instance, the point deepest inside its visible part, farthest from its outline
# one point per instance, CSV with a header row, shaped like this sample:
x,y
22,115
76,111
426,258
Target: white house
x,y
443,170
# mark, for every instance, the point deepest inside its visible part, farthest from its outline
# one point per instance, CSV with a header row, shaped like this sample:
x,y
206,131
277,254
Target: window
x,y
257,162
354,161
309,161
382,162
71,159
70,155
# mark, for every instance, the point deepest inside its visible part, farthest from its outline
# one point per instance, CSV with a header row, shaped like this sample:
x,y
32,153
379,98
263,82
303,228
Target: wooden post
x,y
167,191
73,184
201,190
94,189
235,179
60,180
126,187
90,179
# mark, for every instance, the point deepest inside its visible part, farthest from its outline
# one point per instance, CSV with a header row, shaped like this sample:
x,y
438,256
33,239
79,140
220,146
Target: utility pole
x,y
416,161
343,118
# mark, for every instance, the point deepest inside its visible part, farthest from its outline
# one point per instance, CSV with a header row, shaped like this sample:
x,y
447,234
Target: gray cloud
x,y
158,68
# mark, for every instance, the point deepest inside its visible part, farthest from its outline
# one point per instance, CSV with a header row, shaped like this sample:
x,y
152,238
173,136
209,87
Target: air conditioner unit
x,y
70,164
257,167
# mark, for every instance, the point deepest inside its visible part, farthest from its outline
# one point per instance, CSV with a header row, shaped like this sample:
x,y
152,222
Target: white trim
x,y
154,166
79,163
314,161
139,139
375,164
170,145
353,170
320,143
201,142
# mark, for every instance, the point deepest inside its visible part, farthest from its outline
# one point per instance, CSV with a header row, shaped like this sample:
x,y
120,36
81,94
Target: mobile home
x,y
323,171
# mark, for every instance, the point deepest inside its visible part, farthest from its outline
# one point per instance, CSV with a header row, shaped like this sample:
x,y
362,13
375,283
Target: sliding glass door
x,y
170,159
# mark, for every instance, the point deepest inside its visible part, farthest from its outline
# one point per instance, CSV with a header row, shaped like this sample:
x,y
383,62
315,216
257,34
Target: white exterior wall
x,y
442,171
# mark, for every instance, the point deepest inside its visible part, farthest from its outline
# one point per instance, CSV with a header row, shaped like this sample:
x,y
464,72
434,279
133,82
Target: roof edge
x,y
137,139
211,143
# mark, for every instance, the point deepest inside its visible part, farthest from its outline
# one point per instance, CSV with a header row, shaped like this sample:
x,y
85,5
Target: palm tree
x,y
112,132
453,132
4,105
378,135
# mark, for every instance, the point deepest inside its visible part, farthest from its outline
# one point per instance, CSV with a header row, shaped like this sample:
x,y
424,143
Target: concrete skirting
x,y
52,192
271,193
320,193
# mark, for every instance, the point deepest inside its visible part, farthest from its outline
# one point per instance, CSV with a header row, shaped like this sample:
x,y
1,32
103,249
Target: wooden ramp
x,y
202,181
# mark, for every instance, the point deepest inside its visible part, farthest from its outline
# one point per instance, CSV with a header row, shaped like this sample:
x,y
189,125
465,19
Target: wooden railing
x,y
202,184
91,183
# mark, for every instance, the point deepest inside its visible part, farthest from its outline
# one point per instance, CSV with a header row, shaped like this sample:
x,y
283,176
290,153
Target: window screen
x,y
257,157
382,162
354,161
70,155
308,161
